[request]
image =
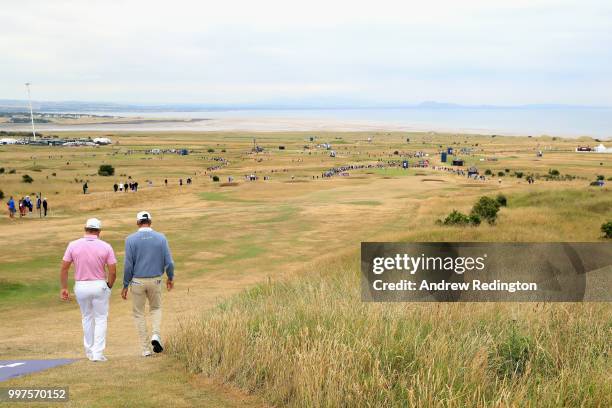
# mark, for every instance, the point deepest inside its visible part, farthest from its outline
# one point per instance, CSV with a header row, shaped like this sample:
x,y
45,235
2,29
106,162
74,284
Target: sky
x,y
321,52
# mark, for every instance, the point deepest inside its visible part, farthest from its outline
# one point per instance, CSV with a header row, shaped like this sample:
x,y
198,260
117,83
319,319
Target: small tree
x,y
553,173
501,174
1,170
26,178
106,170
501,200
601,177
215,178
606,228
518,174
488,172
1,194
487,208
456,218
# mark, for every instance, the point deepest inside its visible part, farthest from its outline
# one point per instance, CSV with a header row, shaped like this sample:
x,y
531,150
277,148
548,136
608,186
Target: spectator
x,y
11,207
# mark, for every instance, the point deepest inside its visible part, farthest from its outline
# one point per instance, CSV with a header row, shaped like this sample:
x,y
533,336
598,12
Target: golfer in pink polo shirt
x,y
92,286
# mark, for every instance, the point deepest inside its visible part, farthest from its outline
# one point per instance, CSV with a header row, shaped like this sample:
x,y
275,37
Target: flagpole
x,y
31,111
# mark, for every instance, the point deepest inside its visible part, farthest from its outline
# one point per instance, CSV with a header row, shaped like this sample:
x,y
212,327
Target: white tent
x,y
7,141
602,149
102,141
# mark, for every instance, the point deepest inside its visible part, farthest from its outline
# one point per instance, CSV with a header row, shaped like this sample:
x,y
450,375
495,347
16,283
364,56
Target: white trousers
x,y
93,299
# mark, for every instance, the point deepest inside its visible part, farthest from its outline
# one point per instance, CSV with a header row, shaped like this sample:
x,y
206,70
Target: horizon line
x,y
180,106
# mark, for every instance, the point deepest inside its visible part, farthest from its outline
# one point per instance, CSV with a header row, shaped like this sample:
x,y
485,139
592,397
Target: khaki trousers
x,y
144,289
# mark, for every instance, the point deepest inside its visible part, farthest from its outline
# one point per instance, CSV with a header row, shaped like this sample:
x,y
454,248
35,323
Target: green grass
x,y
283,213
566,197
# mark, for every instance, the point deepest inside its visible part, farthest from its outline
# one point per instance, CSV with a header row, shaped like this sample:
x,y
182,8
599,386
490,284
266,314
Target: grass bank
x,y
312,342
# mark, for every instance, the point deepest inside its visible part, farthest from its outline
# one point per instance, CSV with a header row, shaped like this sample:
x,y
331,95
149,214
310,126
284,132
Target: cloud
x,y
385,51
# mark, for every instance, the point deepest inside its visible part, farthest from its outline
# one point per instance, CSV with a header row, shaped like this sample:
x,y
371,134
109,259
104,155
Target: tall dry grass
x,y
312,342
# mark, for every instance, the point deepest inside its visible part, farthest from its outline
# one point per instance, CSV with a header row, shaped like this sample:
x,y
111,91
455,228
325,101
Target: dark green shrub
x,y
518,174
12,171
601,177
215,178
606,228
456,218
211,150
26,178
459,219
501,174
487,208
1,170
1,194
106,170
488,172
501,200
475,219
507,170
553,173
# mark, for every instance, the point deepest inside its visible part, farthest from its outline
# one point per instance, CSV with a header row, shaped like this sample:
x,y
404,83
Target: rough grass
x,y
310,341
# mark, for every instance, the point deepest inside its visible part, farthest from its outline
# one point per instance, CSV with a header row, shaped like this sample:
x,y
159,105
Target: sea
x,y
562,122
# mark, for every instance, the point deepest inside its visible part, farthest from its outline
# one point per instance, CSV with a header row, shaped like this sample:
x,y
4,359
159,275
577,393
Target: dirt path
x,y
126,379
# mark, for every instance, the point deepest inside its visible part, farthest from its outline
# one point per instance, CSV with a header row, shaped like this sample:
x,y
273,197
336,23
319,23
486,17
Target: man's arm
x,y
112,275
128,265
64,279
168,266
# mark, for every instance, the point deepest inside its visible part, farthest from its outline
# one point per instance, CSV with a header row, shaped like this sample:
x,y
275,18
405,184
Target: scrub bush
x,y
106,170
501,200
458,218
487,208
26,178
606,228
215,178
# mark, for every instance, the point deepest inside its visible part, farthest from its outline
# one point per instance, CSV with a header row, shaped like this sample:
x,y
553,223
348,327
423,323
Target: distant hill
x,y
15,105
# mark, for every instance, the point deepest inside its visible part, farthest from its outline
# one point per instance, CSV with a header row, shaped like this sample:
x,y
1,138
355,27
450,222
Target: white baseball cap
x,y
143,215
93,223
